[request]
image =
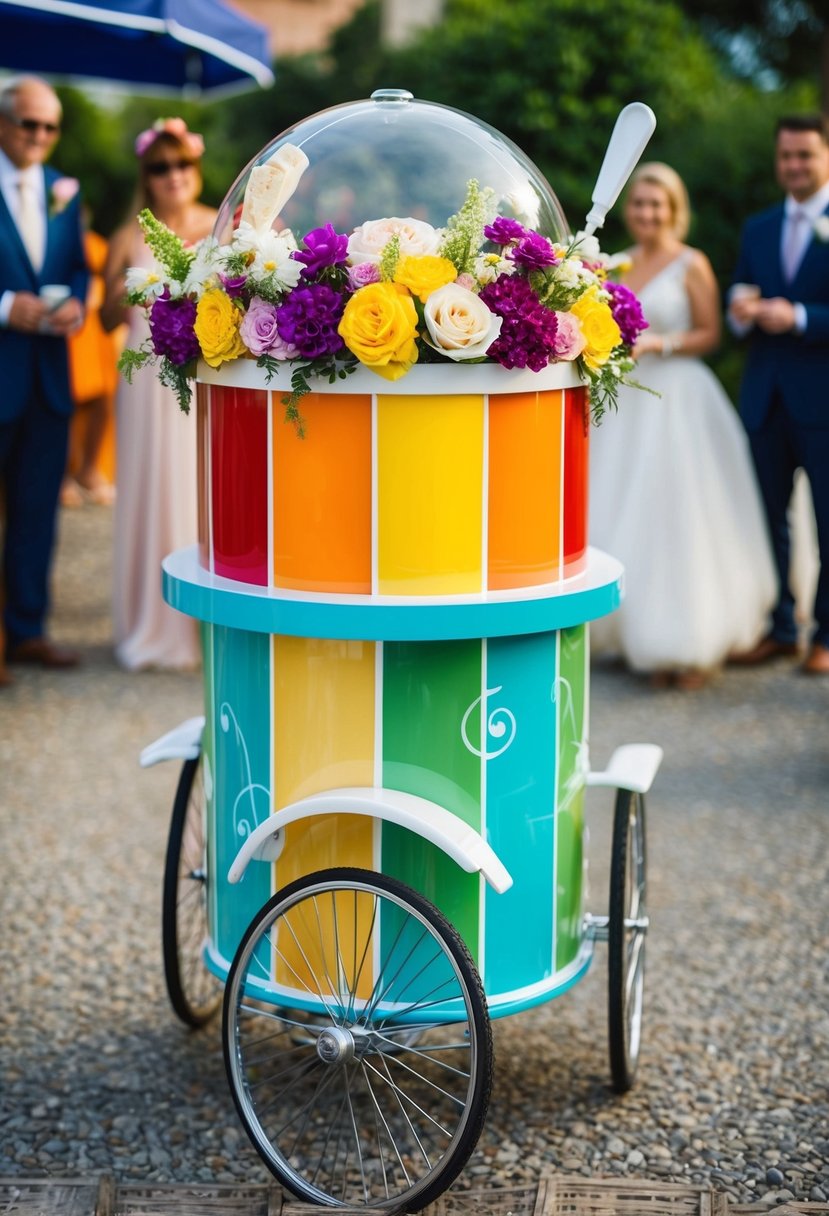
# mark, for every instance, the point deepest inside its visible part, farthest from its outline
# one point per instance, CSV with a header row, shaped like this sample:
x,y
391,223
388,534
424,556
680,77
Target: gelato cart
x,y
378,839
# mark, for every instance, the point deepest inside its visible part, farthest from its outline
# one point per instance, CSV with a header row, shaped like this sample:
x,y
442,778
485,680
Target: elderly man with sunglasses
x,y
43,281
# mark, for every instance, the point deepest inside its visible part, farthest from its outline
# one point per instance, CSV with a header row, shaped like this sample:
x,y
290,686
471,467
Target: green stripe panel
x,y
572,725
427,689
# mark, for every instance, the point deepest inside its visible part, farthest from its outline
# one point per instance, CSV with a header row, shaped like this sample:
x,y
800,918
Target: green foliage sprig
x,y
465,229
167,248
389,259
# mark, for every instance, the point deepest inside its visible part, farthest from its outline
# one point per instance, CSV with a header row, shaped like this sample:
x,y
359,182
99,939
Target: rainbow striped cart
x,y
377,842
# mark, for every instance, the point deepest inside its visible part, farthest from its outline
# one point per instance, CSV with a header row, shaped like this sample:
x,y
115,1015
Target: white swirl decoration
x,y
500,725
243,824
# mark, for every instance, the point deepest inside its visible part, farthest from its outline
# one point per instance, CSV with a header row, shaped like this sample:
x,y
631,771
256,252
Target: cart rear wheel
x,y
194,993
627,933
379,1092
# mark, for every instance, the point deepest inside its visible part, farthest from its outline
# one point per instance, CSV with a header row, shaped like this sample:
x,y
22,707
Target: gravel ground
x,y
97,1075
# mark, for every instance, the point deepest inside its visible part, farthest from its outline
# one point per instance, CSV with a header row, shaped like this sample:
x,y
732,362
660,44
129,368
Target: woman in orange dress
x,y
93,355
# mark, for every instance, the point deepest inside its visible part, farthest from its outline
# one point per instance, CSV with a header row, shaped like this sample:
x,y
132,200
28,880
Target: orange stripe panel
x,y
322,495
524,489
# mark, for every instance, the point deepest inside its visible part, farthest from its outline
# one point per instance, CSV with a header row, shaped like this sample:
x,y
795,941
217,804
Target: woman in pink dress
x,y
156,509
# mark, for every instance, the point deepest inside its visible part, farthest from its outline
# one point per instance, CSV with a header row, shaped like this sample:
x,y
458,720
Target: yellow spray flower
x,y
425,274
217,328
379,326
600,331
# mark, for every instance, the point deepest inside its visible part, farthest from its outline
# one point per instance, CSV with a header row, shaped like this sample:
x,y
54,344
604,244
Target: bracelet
x,y
670,344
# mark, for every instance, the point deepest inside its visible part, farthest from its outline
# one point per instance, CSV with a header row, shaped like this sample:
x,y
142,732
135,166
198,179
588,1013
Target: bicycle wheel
x,y
194,993
627,933
379,1092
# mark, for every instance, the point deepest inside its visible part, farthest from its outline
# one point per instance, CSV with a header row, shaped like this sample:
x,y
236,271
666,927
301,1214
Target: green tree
x,y
769,40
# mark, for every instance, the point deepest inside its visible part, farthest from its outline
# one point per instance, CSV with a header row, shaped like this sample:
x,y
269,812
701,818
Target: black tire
x,y
627,935
346,1105
194,993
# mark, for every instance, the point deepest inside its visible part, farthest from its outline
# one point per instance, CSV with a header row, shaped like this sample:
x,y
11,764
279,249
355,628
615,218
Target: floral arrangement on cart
x,y
392,293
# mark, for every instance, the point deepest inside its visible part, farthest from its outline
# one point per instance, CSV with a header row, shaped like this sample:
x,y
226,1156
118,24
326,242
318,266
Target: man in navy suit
x,y
780,300
41,249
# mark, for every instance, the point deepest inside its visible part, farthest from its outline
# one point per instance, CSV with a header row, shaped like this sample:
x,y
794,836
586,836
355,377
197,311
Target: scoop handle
x,y
634,127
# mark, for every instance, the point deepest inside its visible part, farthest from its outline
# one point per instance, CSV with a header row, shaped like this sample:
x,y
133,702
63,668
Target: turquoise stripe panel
x,y
520,806
195,592
241,731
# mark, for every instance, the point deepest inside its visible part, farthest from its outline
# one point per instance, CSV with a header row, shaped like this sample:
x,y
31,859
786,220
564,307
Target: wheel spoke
x,y
382,1118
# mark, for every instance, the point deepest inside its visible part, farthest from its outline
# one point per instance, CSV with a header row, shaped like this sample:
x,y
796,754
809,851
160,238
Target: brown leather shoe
x,y
6,677
817,661
43,652
766,649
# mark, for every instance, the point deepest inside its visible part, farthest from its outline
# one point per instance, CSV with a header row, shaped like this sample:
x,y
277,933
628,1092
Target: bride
x,y
672,488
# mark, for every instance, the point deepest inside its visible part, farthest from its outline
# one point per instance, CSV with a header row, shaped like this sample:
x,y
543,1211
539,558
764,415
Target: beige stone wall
x,y
297,26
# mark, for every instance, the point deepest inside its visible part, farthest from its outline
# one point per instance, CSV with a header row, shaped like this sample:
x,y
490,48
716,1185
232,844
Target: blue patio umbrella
x,y
190,47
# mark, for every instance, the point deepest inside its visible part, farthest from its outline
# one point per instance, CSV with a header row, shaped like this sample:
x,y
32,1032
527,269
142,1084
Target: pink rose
x,y
258,328
259,333
569,340
363,274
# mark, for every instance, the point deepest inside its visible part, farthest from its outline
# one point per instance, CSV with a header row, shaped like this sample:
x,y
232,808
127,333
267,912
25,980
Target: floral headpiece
x,y
176,127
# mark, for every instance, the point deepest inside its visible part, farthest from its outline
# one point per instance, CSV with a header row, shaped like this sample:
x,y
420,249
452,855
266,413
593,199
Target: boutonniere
x,y
821,228
61,194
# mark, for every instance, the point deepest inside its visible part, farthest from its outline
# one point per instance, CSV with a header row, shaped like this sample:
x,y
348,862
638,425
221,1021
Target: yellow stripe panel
x,y
429,494
324,738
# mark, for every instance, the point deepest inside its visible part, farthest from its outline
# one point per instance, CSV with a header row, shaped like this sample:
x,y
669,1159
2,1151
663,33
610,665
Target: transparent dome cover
x,y
395,156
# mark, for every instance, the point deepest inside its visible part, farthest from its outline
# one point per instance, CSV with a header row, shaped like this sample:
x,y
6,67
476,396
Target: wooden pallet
x,y
559,1195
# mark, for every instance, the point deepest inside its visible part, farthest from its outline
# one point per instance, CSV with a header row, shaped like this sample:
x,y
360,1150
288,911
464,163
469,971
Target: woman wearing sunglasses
x,y
155,511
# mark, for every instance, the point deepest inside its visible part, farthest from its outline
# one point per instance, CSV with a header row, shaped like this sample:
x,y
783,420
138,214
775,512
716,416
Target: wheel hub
x,y
335,1045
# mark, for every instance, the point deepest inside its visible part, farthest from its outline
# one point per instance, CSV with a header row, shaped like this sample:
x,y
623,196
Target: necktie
x,y
30,222
794,241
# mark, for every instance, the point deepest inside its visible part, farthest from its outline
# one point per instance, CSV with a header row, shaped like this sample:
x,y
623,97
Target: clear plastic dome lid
x,y
394,156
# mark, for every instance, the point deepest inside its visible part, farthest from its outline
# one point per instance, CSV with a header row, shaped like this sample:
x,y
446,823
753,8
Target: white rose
x,y
821,227
367,242
459,323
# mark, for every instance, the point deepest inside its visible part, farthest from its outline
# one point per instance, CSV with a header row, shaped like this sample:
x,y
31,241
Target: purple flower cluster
x,y
533,252
528,334
503,231
308,320
627,312
171,328
235,285
323,248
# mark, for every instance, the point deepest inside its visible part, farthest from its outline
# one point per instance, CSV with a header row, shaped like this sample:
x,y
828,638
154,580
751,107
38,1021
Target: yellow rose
x,y
601,333
217,328
379,326
423,275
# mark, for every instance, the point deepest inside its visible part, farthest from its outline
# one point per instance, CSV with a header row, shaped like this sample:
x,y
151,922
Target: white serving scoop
x,y
634,127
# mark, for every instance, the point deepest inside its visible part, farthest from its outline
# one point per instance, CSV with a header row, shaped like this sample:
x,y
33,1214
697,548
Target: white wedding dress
x,y
673,496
